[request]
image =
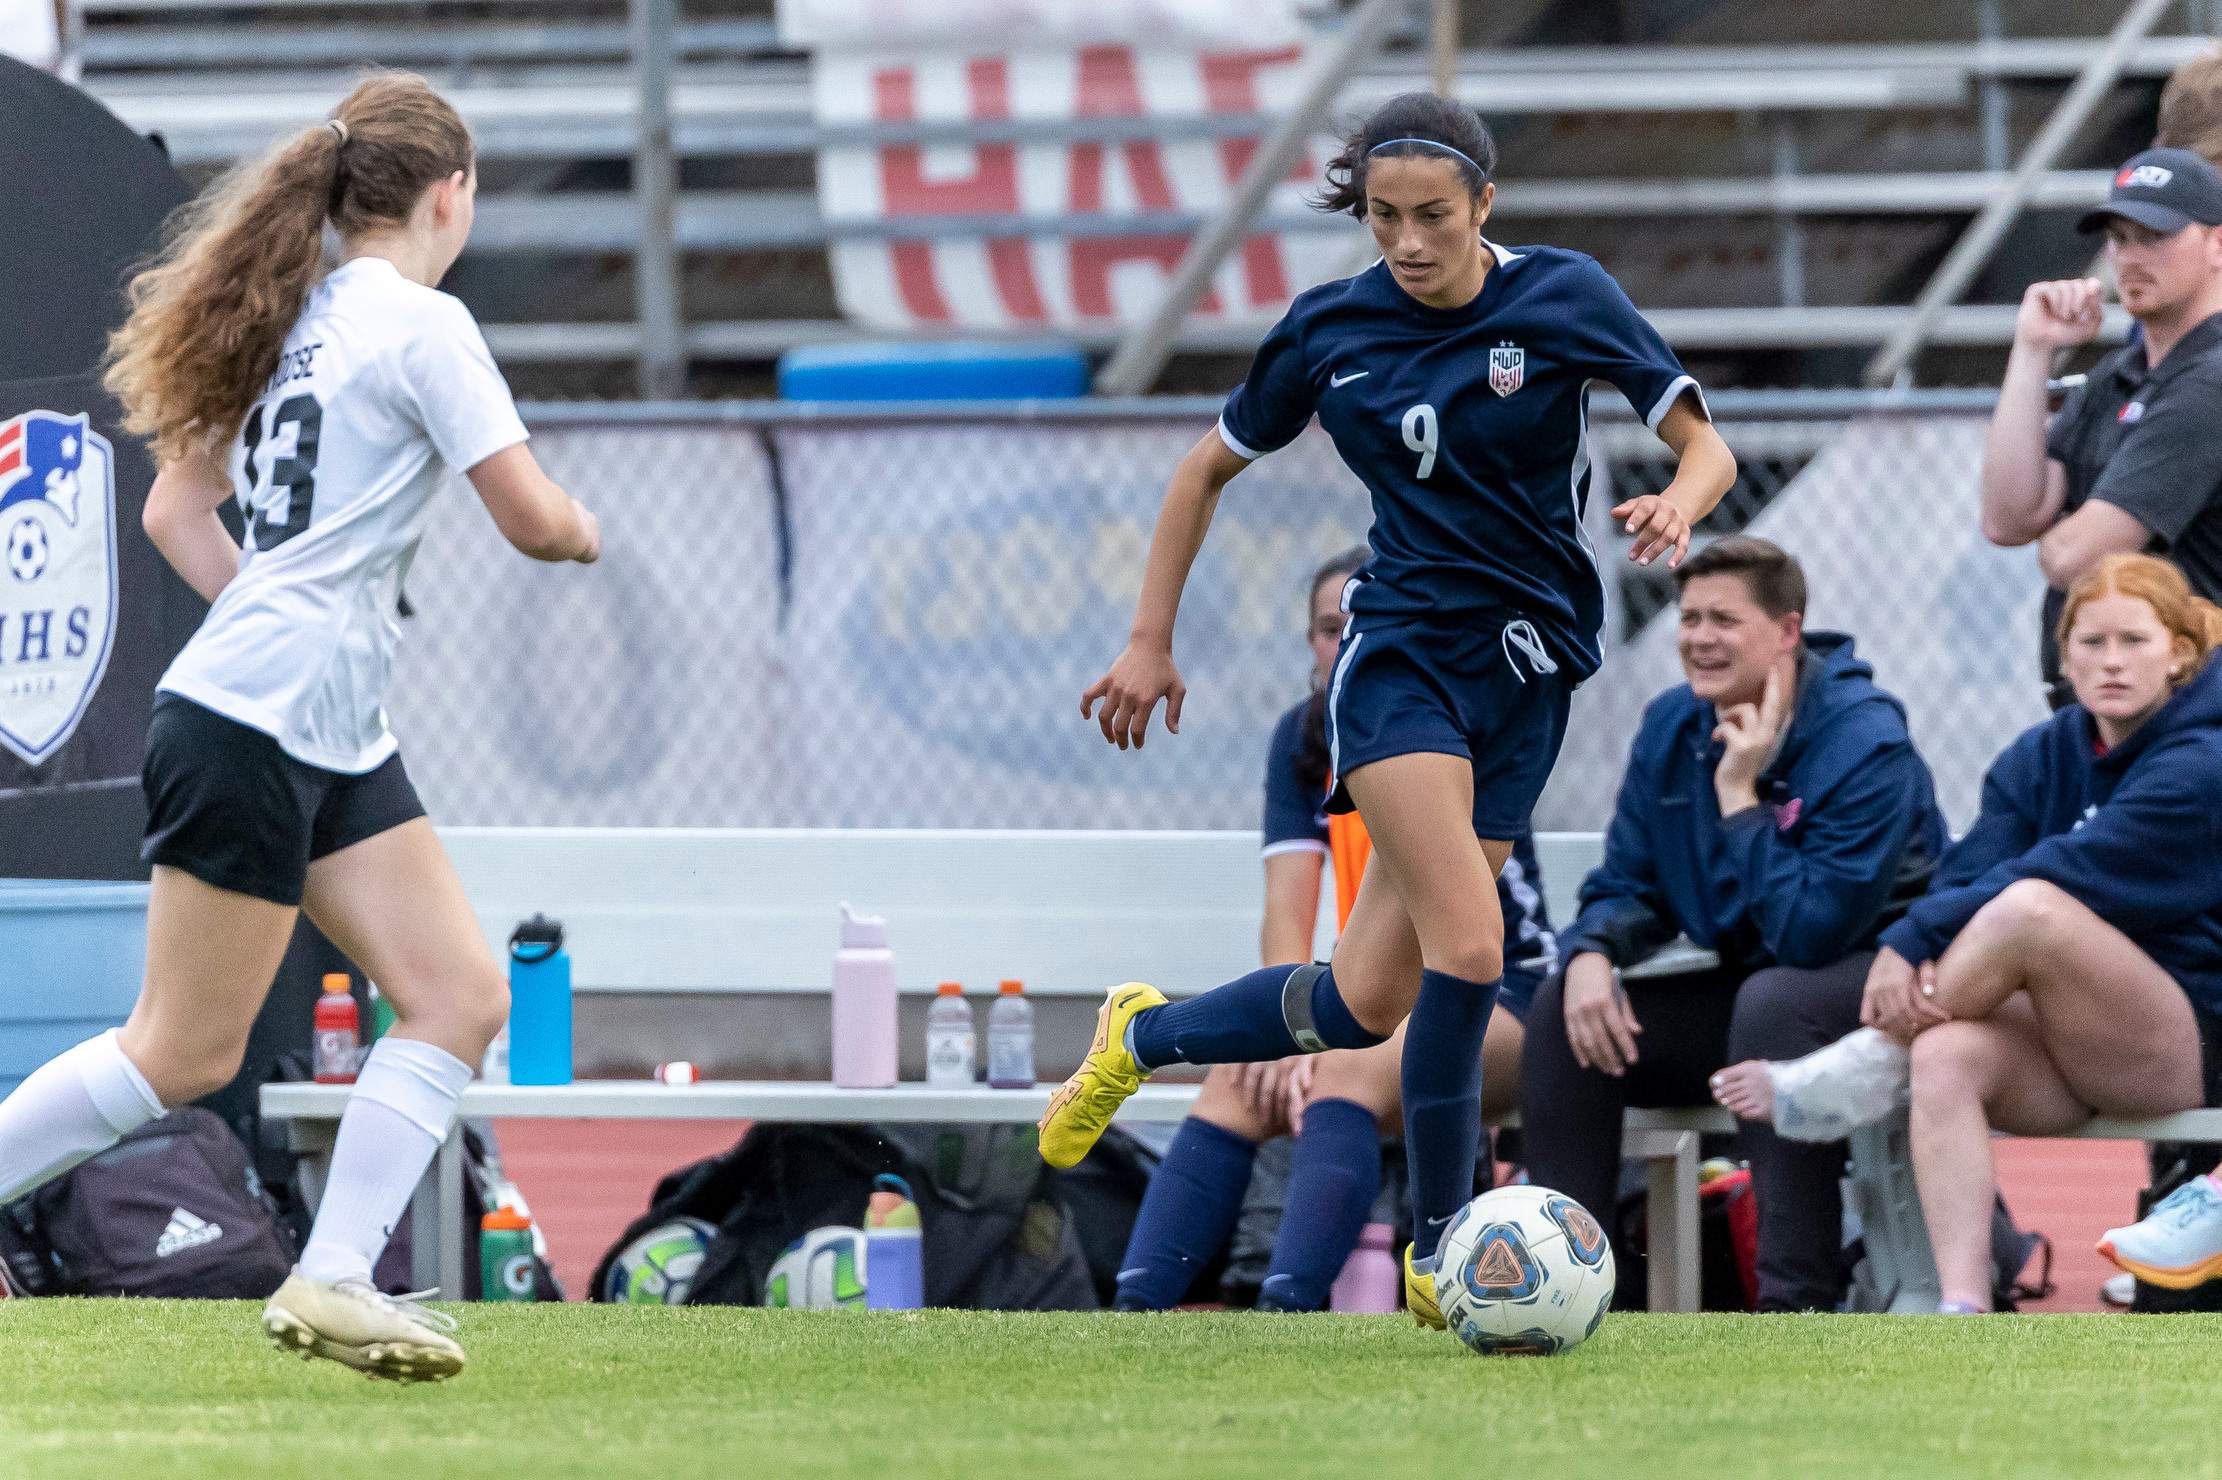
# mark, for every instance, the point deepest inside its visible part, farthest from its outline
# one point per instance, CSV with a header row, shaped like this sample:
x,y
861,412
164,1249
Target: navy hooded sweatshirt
x,y
1847,817
2135,834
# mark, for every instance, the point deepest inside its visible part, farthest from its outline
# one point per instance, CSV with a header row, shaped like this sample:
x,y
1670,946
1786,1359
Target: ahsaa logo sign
x,y
57,576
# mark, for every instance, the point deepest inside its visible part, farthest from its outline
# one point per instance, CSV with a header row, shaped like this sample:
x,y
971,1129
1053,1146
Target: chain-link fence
x,y
890,623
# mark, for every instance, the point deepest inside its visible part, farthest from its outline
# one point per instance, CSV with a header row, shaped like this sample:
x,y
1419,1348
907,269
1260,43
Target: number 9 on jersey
x,y
1419,435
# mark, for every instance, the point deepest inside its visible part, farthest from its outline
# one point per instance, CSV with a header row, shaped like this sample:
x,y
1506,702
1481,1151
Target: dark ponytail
x,y
210,315
1455,130
1312,757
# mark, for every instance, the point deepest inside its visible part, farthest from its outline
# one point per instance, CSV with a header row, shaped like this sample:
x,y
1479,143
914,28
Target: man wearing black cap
x,y
2133,460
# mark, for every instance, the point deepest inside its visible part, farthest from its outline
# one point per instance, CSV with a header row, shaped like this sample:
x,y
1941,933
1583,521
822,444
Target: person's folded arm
x,y
2080,541
2004,830
2111,862
1816,895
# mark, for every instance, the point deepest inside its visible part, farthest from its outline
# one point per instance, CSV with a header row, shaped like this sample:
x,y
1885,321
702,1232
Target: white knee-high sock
x,y
71,1107
396,1119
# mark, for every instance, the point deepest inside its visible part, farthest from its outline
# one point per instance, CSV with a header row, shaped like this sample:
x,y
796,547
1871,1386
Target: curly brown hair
x,y
210,312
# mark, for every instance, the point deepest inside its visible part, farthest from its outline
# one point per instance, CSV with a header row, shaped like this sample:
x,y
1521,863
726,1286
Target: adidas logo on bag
x,y
185,1232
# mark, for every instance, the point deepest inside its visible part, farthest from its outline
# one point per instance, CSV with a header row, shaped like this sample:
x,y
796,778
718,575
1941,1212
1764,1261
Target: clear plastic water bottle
x,y
951,1048
1011,1038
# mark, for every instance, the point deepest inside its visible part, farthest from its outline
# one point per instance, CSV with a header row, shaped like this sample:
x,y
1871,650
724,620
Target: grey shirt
x,y
2148,442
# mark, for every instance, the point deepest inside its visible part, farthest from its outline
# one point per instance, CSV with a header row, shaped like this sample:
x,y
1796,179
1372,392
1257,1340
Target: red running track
x,y
587,1179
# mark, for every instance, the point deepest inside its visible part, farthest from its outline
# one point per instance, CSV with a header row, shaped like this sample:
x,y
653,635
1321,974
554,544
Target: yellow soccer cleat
x,y
1419,1293
1082,1108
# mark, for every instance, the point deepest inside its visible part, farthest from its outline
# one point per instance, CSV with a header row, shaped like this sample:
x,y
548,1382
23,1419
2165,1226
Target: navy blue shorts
x,y
1485,689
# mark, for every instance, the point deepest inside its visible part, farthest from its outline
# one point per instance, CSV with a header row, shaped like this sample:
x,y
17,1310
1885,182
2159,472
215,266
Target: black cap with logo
x,y
2163,189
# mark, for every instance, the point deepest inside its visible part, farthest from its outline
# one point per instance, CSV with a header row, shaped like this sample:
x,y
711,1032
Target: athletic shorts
x,y
231,808
1485,689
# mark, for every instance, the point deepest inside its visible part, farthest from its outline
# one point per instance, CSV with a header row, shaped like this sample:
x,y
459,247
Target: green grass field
x,y
176,1389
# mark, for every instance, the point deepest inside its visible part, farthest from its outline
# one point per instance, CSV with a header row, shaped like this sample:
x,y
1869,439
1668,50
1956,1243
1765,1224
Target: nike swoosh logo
x,y
1346,379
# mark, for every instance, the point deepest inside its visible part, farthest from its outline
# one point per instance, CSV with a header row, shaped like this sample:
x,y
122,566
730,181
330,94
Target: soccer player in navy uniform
x,y
1453,376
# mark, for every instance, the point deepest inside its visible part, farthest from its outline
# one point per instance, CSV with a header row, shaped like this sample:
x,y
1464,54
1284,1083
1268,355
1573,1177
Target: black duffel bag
x,y
174,1209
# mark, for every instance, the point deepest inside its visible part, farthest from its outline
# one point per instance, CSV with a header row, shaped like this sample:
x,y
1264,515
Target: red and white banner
x,y
1038,266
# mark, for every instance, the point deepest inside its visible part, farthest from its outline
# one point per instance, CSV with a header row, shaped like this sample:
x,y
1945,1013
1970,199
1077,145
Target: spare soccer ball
x,y
822,1270
659,1267
1524,1271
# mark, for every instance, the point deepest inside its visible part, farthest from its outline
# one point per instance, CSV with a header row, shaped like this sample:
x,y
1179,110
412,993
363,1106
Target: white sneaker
x,y
2120,1291
352,1323
2178,1244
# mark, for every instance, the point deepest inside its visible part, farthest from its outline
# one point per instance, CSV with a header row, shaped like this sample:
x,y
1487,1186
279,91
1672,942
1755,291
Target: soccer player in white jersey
x,y
333,411
1453,376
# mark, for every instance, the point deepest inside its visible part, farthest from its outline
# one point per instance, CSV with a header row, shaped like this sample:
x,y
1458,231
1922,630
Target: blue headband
x,y
1430,143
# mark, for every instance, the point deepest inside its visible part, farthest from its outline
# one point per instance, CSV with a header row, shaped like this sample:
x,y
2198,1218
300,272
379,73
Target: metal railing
x,y
557,96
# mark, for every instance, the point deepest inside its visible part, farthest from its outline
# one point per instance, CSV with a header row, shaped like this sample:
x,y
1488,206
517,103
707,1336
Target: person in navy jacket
x,y
2067,959
1773,809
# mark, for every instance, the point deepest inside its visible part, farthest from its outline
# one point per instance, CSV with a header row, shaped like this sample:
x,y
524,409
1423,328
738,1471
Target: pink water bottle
x,y
864,1029
1370,1281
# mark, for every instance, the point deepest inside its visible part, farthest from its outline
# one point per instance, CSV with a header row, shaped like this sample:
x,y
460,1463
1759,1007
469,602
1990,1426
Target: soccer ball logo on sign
x,y
58,597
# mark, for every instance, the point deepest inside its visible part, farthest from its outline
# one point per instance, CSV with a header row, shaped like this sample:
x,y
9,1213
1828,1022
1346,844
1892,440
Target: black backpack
x,y
990,1242
172,1210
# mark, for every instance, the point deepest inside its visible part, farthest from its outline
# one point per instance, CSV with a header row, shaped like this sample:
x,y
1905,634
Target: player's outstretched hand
x,y
592,527
2057,315
1657,526
1142,676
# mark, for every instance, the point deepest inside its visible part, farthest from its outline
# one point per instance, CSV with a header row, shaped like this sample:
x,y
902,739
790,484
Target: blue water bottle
x,y
539,1004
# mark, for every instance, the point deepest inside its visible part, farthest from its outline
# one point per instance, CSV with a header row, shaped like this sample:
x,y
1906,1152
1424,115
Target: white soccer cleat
x,y
2178,1245
1833,1091
352,1323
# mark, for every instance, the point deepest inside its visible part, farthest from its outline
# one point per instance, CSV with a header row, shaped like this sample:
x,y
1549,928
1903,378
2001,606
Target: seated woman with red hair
x,y
2067,959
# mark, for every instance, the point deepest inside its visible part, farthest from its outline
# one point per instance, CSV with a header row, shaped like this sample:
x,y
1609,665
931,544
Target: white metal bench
x,y
754,910
1666,1140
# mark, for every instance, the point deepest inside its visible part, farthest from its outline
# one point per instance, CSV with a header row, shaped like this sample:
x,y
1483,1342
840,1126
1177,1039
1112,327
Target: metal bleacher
x,y
218,79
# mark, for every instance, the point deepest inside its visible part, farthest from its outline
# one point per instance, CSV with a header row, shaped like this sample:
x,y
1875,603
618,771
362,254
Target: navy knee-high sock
x,y
1190,1208
1442,1099
1253,1018
1332,1182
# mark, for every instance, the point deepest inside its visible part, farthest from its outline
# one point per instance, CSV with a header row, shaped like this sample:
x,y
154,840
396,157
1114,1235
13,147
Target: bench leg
x,y
312,1142
436,1221
1670,1159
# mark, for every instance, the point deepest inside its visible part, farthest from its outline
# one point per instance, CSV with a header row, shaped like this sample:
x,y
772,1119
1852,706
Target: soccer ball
x,y
27,549
1524,1271
822,1270
659,1267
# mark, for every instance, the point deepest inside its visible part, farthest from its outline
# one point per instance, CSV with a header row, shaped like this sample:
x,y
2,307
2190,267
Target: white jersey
x,y
385,386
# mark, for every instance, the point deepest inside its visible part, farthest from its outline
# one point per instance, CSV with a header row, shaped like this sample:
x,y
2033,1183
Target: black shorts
x,y
231,808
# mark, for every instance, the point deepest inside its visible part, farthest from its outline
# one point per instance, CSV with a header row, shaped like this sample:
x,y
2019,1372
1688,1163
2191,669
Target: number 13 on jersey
x,y
1419,435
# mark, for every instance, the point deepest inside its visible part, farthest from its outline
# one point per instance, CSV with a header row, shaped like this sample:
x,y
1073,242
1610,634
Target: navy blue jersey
x,y
1470,428
1295,814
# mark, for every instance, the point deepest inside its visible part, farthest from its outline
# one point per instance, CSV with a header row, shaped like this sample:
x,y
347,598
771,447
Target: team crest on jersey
x,y
1508,366
57,576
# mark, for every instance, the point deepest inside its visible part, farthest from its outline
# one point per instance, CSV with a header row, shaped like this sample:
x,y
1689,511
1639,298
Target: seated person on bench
x,y
2068,957
1337,1102
1773,808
